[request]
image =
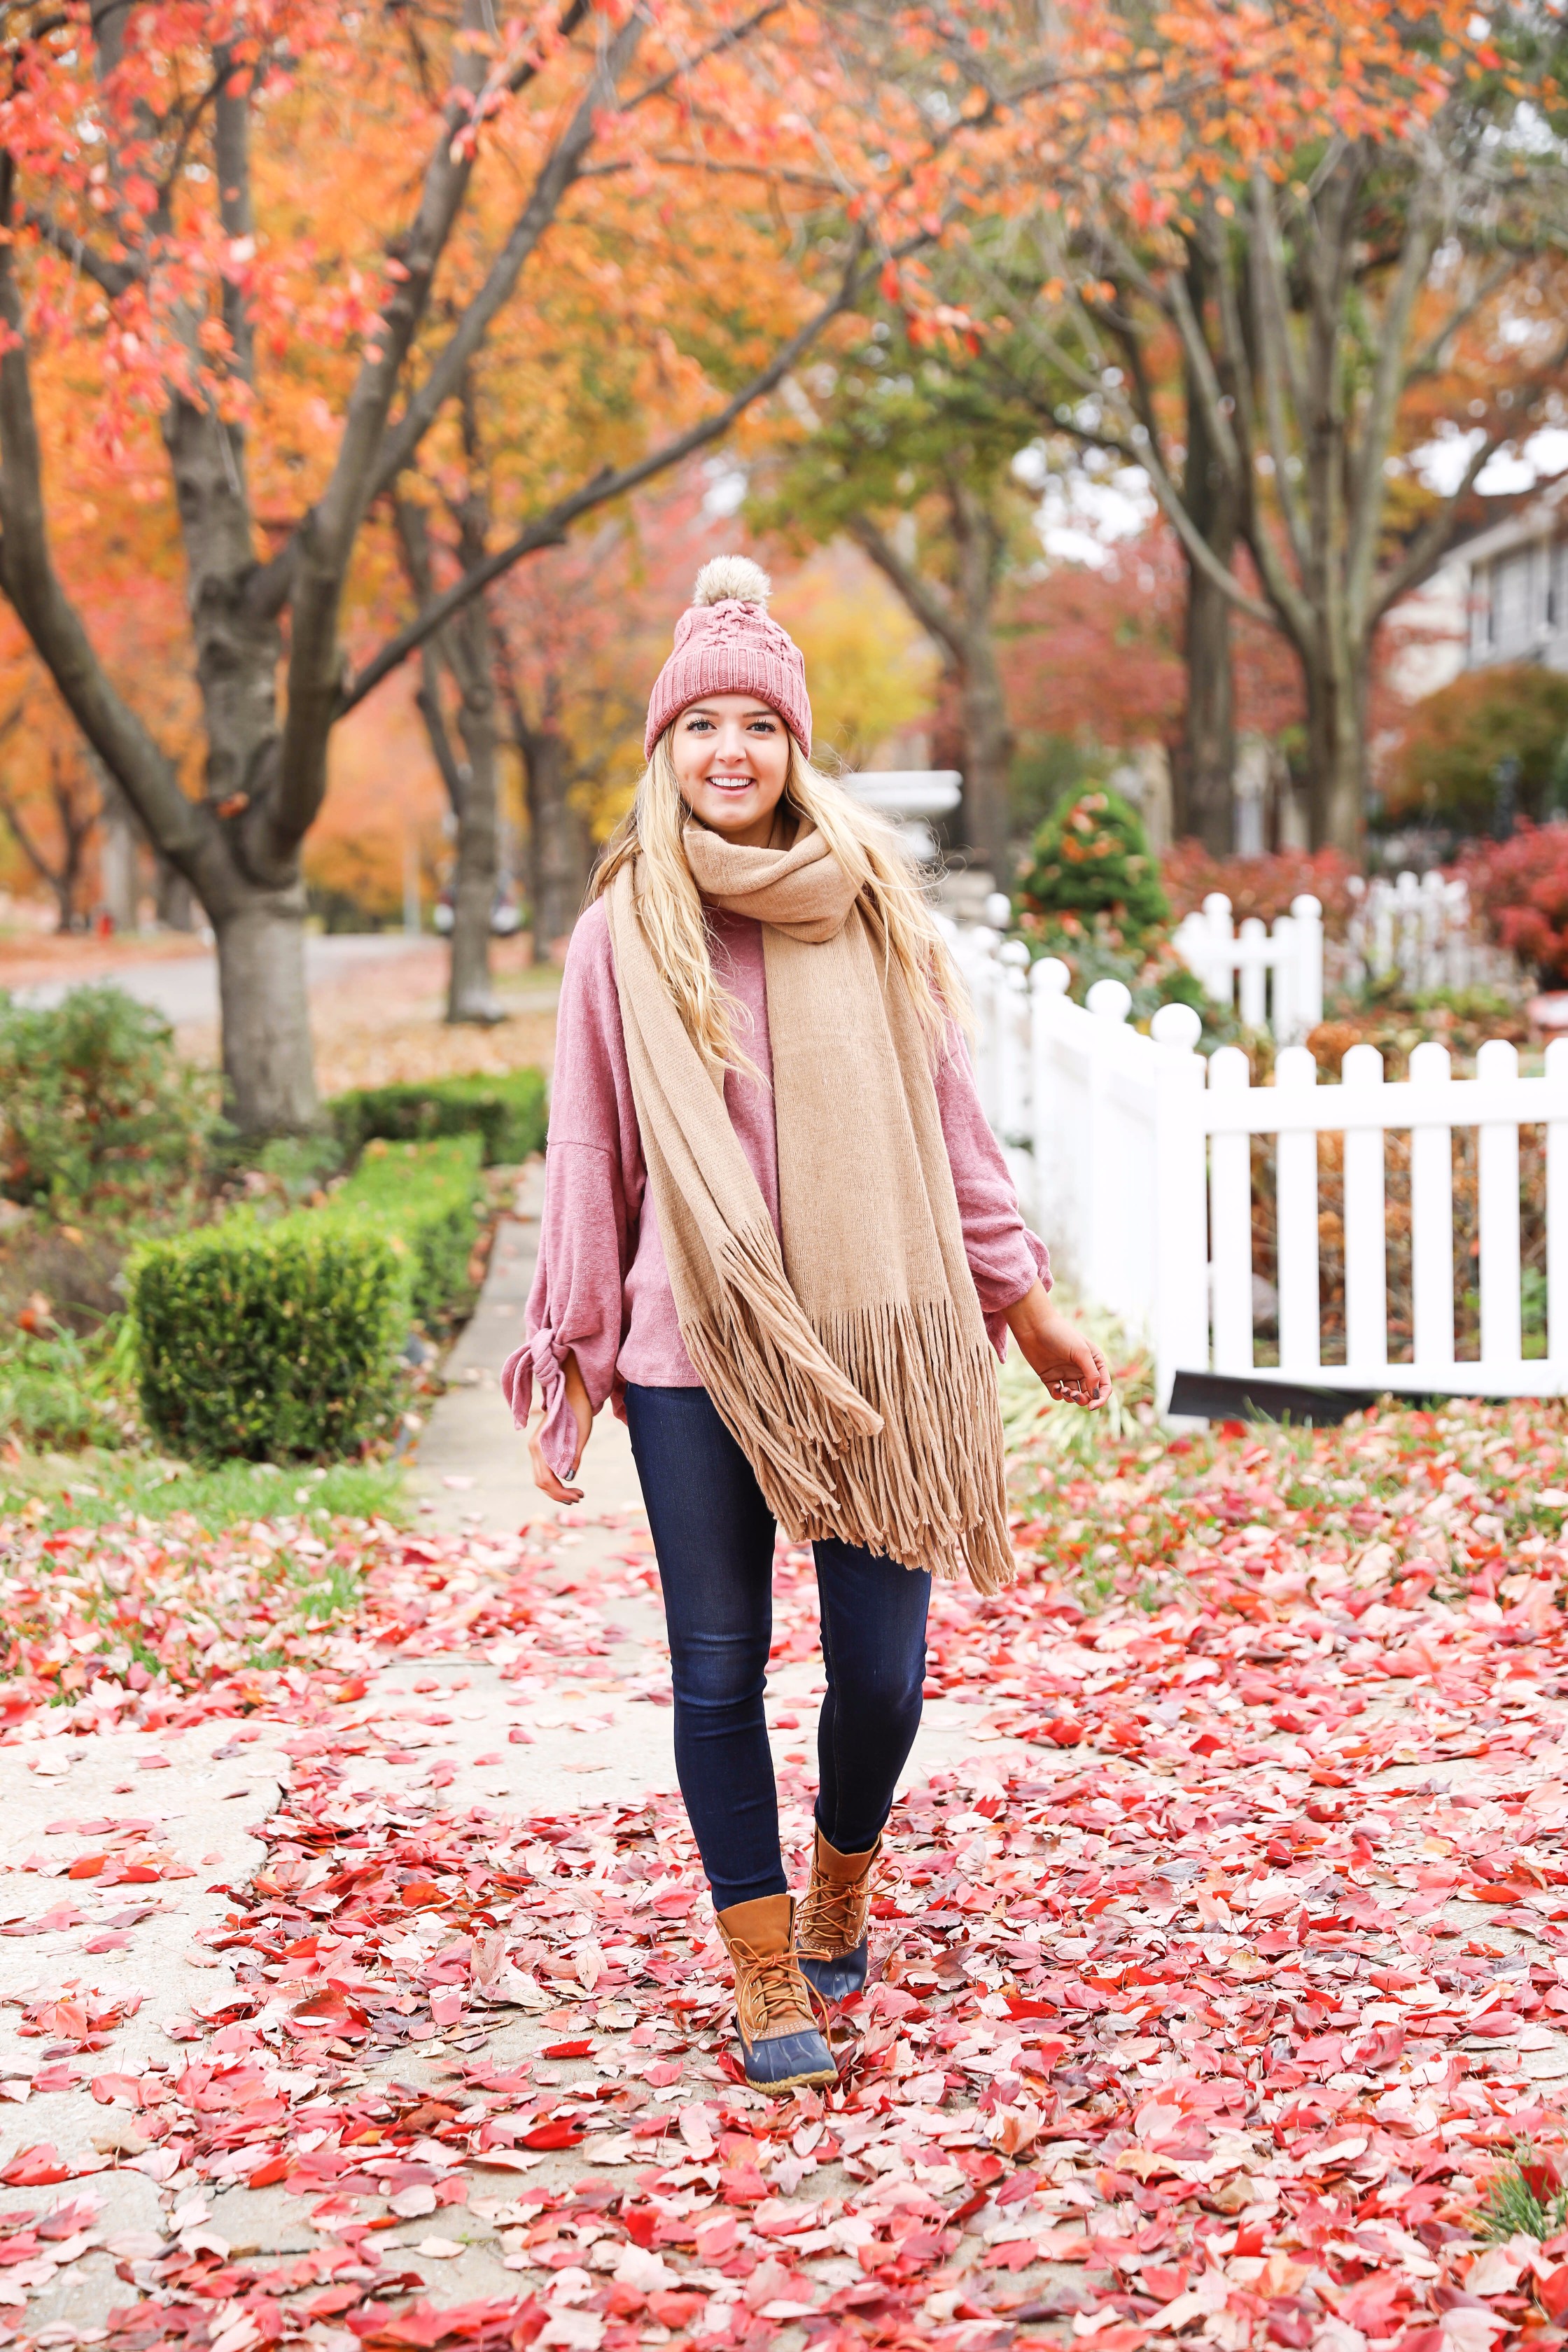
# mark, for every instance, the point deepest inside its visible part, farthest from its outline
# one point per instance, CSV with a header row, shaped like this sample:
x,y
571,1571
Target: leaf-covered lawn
x,y
1222,1999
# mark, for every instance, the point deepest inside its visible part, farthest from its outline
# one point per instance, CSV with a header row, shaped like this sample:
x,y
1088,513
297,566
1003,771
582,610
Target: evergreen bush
x,y
97,1111
426,1200
508,1113
269,1342
1092,859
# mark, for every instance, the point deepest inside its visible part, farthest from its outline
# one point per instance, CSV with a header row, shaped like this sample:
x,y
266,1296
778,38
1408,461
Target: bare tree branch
x,y
111,278
185,833
934,615
324,543
559,168
413,544
1365,489
1276,352
730,39
550,529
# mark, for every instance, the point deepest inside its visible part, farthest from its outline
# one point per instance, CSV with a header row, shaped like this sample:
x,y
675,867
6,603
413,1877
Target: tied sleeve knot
x,y
539,1359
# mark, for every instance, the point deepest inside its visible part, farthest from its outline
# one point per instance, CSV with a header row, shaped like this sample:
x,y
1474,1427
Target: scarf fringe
x,y
785,1401
899,1448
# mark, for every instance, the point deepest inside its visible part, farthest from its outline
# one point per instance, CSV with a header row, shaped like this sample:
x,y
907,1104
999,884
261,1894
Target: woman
x,y
778,1233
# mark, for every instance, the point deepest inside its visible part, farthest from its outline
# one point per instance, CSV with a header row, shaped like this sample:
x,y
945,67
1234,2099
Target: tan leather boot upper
x,y
771,1996
833,1916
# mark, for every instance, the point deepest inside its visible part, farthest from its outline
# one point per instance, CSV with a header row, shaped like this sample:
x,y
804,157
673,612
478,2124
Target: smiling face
x,y
732,760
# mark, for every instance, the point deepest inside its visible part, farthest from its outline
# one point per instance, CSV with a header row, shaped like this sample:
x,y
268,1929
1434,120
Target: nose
x,y
732,748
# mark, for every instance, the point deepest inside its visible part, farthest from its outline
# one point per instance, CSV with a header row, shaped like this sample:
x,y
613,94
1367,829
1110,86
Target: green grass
x,y
96,1488
1523,2198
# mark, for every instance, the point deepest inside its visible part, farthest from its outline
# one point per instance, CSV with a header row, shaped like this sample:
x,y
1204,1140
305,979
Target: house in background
x,y
1500,595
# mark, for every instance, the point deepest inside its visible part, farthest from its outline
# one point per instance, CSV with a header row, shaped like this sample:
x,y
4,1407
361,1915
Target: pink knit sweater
x,y
601,1289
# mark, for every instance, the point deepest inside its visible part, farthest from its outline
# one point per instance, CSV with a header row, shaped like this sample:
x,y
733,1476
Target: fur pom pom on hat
x,y
727,643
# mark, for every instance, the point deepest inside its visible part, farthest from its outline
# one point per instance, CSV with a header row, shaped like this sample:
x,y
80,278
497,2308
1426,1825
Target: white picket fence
x,y
1272,978
1133,1157
1421,930
1424,930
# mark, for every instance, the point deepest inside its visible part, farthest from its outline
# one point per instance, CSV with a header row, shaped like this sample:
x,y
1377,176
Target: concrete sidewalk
x,y
473,1472
193,1803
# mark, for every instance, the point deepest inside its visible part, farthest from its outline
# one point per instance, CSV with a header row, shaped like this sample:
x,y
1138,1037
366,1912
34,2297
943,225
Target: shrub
x,y
51,1388
1456,737
95,1108
265,1342
508,1113
1150,968
1092,859
1520,888
426,1198
1260,885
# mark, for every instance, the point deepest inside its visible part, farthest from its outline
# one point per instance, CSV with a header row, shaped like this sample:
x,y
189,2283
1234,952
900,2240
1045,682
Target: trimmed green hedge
x,y
508,1114
427,1199
262,1342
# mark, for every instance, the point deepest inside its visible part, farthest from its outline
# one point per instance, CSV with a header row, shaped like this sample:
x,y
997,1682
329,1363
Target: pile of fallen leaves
x,y
1223,1998
167,1623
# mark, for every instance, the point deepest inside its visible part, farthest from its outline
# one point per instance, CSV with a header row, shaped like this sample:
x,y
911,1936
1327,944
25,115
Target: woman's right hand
x,y
544,1477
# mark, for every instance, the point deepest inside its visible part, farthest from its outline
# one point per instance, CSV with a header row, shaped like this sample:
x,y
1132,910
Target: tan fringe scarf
x,y
852,1368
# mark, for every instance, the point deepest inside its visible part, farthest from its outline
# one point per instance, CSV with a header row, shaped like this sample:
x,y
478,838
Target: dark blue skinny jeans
x,y
713,1535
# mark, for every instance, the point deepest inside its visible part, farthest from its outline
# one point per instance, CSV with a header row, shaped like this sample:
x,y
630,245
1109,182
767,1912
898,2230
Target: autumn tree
x,y
907,451
1393,226
279,240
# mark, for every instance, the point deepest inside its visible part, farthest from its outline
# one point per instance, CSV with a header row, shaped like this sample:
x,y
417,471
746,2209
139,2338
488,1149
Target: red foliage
x,y
1099,652
1520,888
1259,886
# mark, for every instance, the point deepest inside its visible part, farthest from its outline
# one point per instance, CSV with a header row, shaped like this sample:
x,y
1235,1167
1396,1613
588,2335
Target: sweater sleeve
x,y
1004,1257
594,1181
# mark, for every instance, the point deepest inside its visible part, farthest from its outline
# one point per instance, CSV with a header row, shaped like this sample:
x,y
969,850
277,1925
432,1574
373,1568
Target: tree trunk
x,y
557,844
987,760
987,735
1206,771
175,899
117,858
470,994
1336,747
1207,804
267,1056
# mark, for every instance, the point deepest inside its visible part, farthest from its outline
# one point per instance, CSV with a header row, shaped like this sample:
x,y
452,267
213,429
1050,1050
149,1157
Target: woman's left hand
x,y
1070,1366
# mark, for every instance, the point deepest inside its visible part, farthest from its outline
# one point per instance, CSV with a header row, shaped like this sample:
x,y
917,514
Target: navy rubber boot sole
x,y
788,2062
839,1979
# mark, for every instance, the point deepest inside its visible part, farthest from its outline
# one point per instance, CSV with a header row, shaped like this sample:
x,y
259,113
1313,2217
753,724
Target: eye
x,y
700,727
763,726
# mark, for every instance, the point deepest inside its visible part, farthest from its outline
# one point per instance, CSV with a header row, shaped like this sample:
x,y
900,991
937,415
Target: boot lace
x,y
832,1917
771,1993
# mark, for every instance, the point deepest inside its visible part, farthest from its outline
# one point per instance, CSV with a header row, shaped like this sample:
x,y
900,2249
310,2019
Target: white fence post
x,y
1557,1219
1140,1176
1056,1119
1296,1229
1307,913
1274,977
1365,1225
1180,1222
1230,1221
1421,928
1107,1001
1252,977
1497,1155
1432,1219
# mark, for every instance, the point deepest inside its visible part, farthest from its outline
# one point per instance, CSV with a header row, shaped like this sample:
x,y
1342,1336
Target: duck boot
x,y
782,2045
831,1937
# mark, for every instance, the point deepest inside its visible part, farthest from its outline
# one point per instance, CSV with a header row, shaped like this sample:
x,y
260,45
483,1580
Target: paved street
x,y
185,988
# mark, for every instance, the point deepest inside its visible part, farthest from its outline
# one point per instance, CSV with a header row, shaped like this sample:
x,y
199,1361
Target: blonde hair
x,y
868,849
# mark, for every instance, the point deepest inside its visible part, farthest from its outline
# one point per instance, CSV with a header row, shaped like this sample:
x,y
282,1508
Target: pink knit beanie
x,y
726,644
